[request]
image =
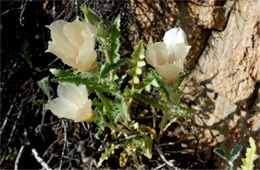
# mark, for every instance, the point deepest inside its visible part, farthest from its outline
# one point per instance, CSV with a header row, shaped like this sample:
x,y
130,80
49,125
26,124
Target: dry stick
x,y
7,115
14,126
65,142
22,8
164,159
49,147
40,160
160,166
18,158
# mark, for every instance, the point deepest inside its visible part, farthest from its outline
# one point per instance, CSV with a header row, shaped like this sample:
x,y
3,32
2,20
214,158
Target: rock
x,y
229,70
225,55
212,17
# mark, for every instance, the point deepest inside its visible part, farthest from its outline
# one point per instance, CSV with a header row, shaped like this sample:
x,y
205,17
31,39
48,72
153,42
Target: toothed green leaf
x,y
61,73
120,110
108,152
251,156
45,86
148,144
147,100
114,41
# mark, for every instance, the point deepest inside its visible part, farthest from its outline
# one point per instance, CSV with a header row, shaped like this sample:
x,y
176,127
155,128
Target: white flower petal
x,y
73,32
89,29
170,72
174,36
59,38
87,56
179,51
157,54
85,113
61,107
76,94
53,48
74,43
72,103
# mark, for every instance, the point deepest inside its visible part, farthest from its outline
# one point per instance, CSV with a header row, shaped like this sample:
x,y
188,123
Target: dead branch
x,y
170,164
40,160
18,158
7,116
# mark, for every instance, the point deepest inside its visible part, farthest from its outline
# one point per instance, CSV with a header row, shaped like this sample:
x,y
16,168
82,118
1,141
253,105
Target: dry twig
x,y
40,160
18,158
7,116
170,164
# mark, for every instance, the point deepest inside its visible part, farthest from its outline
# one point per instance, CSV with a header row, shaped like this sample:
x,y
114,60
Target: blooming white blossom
x,y
74,42
167,57
72,103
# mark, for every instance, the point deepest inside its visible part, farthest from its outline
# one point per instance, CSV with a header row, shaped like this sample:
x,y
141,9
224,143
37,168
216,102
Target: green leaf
x,y
92,82
164,121
219,151
148,100
161,83
120,80
25,53
235,152
251,156
110,67
148,144
108,152
114,41
61,73
120,110
101,129
104,100
90,16
138,53
180,111
45,86
147,83
225,149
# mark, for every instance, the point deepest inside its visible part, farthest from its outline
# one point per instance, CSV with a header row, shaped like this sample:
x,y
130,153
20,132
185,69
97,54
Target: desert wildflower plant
x,y
103,87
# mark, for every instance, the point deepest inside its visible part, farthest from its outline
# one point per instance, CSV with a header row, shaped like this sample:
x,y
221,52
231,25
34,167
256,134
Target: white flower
x,y
167,57
74,42
72,103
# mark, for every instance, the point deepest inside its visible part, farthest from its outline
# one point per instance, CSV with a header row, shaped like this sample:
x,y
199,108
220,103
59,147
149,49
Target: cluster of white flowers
x,y
74,44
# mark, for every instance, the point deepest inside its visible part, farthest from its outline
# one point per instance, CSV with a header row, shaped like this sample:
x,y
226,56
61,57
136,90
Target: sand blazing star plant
x,y
114,93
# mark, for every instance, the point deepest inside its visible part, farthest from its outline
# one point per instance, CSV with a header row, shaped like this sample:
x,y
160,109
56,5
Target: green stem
x,y
108,61
124,131
104,100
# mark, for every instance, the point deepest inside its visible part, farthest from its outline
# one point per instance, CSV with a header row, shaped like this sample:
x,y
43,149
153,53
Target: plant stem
x,y
107,56
128,133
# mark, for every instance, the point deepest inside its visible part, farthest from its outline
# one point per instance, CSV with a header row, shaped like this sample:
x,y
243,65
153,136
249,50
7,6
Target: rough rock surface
x,y
229,67
224,86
